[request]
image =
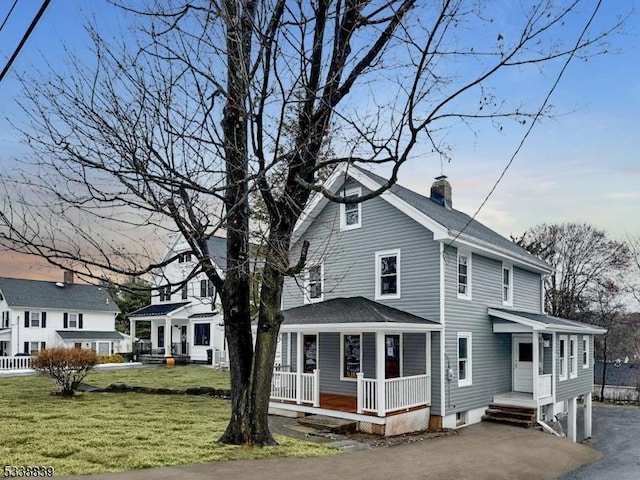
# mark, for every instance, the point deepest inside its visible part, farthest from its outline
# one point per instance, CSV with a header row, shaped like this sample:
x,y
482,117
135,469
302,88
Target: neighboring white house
x,y
40,314
186,320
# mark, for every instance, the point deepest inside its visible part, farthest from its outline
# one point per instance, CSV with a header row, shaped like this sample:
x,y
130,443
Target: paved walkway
x,y
482,451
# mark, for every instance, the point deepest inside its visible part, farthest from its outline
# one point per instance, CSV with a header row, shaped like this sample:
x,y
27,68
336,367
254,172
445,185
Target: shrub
x,y
66,366
115,358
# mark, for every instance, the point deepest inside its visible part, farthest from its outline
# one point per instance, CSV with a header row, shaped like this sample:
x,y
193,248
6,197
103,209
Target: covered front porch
x,y
359,360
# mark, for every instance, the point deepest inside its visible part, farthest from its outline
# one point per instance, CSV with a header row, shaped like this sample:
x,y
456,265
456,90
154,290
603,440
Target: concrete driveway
x,y
482,451
616,434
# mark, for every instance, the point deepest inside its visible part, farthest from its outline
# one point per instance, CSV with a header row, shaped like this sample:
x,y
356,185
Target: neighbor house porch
x,y
358,360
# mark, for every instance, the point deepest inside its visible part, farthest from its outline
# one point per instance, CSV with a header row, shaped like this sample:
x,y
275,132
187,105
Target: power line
x,y
533,122
8,15
25,37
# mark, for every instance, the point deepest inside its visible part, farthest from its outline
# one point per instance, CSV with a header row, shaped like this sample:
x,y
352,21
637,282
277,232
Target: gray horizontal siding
x,y
369,354
573,387
526,290
349,258
329,365
294,352
414,358
491,353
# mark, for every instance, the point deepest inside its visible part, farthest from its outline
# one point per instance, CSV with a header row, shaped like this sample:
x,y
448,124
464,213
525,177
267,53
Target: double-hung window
x,y
562,357
585,351
206,288
387,275
351,213
314,283
464,275
507,284
573,356
165,293
72,320
464,359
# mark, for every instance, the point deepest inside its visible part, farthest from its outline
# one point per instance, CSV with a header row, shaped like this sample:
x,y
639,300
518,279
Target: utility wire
x,y
8,15
25,37
533,122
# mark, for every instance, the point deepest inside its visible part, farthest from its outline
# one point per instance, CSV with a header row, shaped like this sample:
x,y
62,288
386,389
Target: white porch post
x,y
316,387
571,420
299,368
553,364
132,332
535,336
359,391
587,415
167,337
380,374
428,364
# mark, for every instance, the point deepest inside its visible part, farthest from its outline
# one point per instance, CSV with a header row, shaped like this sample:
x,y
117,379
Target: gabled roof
x,y
158,310
46,294
86,335
540,322
445,223
218,251
351,310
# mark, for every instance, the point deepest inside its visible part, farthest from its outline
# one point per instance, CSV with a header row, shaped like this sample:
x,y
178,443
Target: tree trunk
x,y
604,368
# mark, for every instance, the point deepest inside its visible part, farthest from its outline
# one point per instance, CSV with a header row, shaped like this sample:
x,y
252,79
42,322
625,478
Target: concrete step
x,y
328,424
500,413
512,408
516,422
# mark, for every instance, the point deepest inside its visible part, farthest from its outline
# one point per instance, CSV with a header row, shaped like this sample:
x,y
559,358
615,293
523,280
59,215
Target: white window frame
x,y
563,369
585,351
36,350
378,268
342,377
307,284
39,325
467,294
573,356
343,210
76,319
468,380
509,299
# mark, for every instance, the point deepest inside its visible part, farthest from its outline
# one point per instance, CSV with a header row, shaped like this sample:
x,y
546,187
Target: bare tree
x,y
211,101
585,261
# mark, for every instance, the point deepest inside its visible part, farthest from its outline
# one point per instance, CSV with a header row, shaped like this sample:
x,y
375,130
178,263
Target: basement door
x,y
522,364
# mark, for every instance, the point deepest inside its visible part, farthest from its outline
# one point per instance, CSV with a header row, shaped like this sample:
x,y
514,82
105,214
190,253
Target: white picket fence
x,y
15,363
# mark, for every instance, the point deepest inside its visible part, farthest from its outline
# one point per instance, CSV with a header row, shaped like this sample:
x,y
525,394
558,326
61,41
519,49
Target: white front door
x,y
522,364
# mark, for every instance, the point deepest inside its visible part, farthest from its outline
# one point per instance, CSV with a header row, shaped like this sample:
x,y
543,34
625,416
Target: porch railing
x,y
220,358
295,387
15,363
400,393
544,385
180,348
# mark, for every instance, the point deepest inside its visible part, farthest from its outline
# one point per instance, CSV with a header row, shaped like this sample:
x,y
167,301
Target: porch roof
x,y
86,335
204,315
539,322
158,310
353,312
5,334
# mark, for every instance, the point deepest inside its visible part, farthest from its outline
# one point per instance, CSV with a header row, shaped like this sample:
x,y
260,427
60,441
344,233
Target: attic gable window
x,y
184,257
351,213
464,275
165,293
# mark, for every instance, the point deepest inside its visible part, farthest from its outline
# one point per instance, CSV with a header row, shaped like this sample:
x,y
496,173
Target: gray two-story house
x,y
411,314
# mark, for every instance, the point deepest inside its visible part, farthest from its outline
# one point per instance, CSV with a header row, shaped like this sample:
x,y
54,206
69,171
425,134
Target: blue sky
x,y
582,165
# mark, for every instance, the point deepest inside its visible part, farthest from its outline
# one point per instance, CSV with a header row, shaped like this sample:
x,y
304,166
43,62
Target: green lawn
x,y
101,432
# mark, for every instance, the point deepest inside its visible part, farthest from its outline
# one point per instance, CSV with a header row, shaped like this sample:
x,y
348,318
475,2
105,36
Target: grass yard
x,y
101,432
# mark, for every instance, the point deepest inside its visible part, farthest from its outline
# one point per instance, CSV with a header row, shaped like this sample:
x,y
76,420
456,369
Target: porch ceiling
x,y
505,321
353,313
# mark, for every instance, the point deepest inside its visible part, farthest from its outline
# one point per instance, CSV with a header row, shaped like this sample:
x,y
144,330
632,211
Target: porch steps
x,y
510,415
328,424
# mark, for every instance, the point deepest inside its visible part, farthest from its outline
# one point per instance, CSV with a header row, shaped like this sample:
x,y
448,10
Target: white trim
x,y
306,291
342,377
585,343
536,325
573,348
468,380
563,360
343,210
467,255
509,301
361,327
378,270
442,322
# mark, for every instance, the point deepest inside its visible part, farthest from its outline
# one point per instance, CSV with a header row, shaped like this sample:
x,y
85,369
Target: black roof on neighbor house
x,y
48,294
453,220
204,314
623,375
88,335
349,310
157,310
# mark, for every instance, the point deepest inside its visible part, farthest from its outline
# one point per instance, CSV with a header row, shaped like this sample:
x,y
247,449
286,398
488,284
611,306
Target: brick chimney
x,y
441,192
68,277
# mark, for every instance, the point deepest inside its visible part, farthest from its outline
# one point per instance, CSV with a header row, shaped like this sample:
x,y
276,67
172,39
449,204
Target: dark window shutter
x,y
43,346
80,320
26,347
44,320
203,288
210,288
65,320
26,319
